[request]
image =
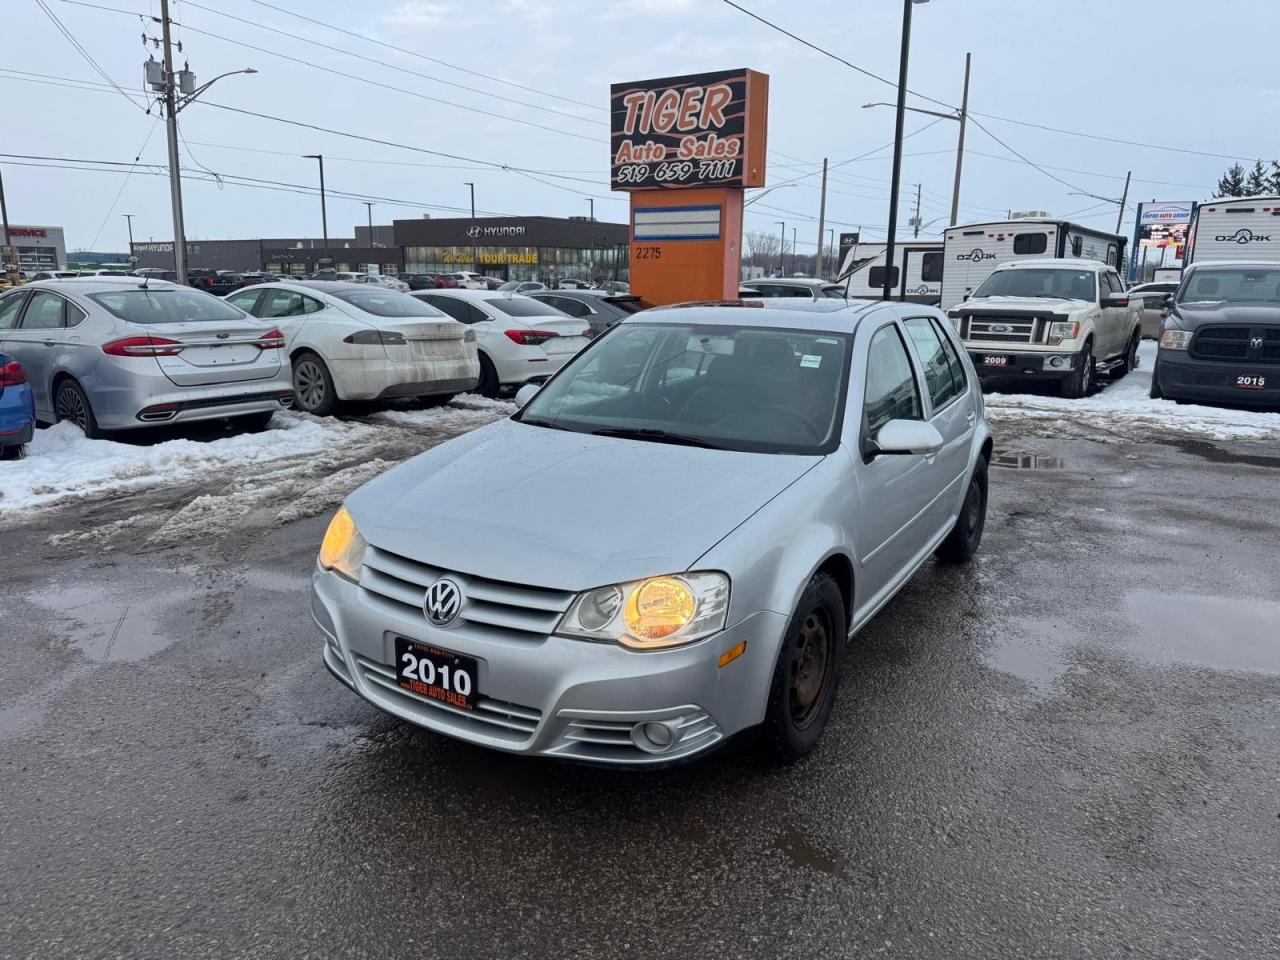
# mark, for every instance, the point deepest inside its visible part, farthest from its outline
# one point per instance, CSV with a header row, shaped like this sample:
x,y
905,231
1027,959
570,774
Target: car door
x,y
1112,339
290,310
950,410
246,299
894,491
36,342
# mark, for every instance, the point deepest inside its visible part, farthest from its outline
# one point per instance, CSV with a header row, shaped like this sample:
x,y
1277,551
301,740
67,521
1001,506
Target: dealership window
x,y
1030,243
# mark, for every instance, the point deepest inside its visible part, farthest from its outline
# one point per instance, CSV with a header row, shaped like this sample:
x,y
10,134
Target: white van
x,y
1235,228
972,251
916,275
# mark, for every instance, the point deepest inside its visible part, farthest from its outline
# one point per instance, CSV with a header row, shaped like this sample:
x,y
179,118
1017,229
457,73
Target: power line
x,y
80,49
1030,163
124,183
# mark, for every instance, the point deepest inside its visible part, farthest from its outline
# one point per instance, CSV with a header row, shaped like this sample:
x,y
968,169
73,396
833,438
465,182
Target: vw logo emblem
x,y
442,602
1000,328
1256,343
473,231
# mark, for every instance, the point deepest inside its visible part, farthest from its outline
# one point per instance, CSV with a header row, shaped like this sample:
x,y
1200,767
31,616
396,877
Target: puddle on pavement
x,y
1032,650
1027,461
1224,633
801,851
1215,454
107,627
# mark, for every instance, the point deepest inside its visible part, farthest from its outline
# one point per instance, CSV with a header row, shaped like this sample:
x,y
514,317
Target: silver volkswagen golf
x,y
110,353
671,542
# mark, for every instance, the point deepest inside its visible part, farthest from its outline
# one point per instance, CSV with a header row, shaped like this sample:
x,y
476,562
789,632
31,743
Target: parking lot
x,y
1073,751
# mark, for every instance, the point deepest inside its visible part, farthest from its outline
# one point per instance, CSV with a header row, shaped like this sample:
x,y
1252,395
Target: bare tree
x,y
761,248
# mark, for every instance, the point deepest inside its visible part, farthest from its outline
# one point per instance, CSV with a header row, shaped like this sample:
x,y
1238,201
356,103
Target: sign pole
x,y
822,220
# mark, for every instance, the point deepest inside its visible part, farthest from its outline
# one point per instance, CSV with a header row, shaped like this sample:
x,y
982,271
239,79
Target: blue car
x,y
17,408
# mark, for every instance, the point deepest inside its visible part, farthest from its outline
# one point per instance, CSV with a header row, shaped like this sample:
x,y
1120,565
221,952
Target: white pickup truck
x,y
1062,320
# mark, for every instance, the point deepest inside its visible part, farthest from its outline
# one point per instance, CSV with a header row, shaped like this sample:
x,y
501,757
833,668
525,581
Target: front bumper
x,y
555,696
1034,366
1183,377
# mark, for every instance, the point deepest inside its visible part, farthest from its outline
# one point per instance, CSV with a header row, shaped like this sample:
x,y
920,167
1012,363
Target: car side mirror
x,y
525,394
967,294
901,437
1116,300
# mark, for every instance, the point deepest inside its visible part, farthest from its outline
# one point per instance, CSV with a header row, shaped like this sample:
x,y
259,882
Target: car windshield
x,y
758,389
167,305
523,307
387,303
834,290
1232,285
1056,283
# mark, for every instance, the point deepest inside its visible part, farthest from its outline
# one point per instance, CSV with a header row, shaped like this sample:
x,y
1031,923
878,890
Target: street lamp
x,y
474,253
591,200
782,246
897,145
793,250
324,215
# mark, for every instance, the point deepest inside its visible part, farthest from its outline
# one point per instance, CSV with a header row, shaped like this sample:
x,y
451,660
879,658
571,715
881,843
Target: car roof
x,y
1074,263
794,281
461,294
86,285
831,315
1230,263
321,285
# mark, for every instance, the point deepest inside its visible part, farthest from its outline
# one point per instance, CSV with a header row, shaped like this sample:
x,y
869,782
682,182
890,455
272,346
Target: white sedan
x,y
351,341
521,340
382,280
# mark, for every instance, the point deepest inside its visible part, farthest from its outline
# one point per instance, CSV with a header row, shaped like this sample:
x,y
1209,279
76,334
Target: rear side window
x,y
875,278
453,308
931,267
574,308
288,303
74,315
892,392
44,312
387,303
938,376
9,308
1030,243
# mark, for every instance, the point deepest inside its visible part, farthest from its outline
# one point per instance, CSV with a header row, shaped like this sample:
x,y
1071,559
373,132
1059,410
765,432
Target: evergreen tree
x,y
1231,183
1273,181
1256,183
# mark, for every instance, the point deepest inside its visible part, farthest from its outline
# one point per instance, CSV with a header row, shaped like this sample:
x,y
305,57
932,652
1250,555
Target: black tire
x,y
966,536
13,452
254,422
488,385
800,701
1130,361
1081,379
439,400
313,389
1155,393
71,403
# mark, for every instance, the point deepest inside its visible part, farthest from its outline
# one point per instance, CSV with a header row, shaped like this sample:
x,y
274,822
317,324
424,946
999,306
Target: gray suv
x,y
110,353
671,542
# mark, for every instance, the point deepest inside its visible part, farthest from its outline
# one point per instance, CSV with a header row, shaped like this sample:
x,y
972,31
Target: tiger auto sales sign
x,y
702,130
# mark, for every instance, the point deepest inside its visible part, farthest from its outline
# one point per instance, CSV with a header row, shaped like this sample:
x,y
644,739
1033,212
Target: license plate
x,y
995,361
566,344
436,674
1251,382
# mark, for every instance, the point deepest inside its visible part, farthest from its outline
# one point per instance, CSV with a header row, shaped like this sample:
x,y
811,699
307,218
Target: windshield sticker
x,y
811,360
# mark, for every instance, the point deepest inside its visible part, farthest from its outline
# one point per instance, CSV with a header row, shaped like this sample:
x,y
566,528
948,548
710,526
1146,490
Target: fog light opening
x,y
1055,362
654,736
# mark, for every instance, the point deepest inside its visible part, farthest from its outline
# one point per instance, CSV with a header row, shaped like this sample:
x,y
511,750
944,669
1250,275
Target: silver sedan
x,y
110,353
671,542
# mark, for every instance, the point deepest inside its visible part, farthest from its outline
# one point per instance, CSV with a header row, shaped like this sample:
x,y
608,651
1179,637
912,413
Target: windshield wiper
x,y
657,436
549,424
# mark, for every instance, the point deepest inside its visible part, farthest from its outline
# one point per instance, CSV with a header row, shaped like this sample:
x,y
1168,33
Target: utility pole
x,y
324,214
369,209
793,250
1124,198
475,255
899,123
171,129
7,265
129,217
782,246
831,249
822,220
916,221
964,119
591,200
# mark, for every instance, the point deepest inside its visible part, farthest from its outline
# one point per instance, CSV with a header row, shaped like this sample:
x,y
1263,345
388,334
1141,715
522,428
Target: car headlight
x,y
650,614
342,549
1061,330
1175,339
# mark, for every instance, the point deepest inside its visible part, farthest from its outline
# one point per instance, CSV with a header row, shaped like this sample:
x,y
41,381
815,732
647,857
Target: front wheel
x,y
1156,393
1080,381
966,536
803,691
71,403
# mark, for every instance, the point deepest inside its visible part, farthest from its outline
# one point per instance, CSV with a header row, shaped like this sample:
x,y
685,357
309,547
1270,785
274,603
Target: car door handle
x,y
50,343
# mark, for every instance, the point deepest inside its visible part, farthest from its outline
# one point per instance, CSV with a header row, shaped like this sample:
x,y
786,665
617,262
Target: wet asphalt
x,y
1070,748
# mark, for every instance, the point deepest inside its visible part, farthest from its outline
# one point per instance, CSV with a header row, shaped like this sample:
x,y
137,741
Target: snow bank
x,y
1125,411
61,463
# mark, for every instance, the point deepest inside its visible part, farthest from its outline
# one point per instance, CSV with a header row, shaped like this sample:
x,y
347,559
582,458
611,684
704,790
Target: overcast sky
x,y
1142,71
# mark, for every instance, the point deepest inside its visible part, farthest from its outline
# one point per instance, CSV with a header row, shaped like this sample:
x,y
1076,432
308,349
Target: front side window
x,y
386,303
287,303
1030,243
892,392
167,305
1056,283
44,312
938,376
756,389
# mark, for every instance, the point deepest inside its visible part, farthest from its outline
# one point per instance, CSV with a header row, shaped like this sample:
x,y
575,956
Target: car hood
x,y
1022,304
1191,315
565,510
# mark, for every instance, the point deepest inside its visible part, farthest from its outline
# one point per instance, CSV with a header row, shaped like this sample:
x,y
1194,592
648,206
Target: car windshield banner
x,y
701,130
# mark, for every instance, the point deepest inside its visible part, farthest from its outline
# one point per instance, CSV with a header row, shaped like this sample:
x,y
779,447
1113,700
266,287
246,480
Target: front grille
x,y
1221,343
513,722
1271,346
979,329
491,610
